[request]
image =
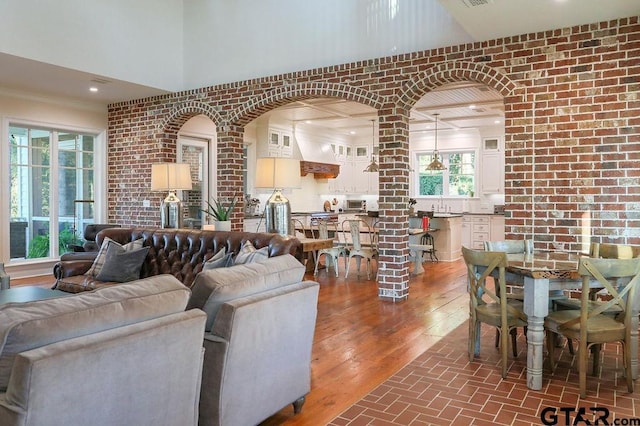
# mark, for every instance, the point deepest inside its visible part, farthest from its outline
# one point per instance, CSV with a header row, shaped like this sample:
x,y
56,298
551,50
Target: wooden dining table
x,y
539,272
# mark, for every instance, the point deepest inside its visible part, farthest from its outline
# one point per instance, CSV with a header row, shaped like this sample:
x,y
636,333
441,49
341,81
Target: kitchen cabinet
x,y
492,166
280,143
497,228
254,224
476,230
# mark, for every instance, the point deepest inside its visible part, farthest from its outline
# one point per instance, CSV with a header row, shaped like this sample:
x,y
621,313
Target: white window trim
x,y
31,267
416,179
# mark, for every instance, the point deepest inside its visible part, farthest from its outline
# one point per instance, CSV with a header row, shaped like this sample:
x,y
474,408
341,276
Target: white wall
x,y
139,41
228,41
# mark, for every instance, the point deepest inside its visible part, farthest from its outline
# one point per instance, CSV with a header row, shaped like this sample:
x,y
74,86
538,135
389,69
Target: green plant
x,y
221,211
39,245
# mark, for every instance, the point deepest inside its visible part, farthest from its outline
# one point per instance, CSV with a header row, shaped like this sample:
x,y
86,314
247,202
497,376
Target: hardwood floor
x,y
360,340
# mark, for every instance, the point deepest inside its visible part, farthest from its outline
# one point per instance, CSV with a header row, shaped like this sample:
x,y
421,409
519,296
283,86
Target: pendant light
x,y
373,166
436,164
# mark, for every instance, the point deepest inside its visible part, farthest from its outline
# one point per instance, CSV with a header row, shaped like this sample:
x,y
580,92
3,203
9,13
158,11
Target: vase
x,y
222,225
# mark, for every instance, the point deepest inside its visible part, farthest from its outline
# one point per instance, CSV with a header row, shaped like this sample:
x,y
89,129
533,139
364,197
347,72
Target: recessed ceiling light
x,y
472,106
353,132
497,122
308,121
93,89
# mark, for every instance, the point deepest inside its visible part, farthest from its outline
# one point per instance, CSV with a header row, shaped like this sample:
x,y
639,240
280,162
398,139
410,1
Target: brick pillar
x,y
393,198
229,173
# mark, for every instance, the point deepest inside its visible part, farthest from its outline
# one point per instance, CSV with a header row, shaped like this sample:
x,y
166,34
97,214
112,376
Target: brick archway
x,y
453,72
280,96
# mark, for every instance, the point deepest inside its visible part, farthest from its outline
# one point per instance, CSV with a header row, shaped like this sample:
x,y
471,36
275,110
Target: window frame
x,y
445,156
38,265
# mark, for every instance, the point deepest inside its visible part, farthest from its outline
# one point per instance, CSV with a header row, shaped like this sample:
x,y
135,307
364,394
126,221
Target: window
x,y
458,179
52,190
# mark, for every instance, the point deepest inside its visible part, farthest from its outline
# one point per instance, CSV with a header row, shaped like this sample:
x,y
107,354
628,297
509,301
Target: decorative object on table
x,y
171,177
436,164
373,166
221,213
278,174
412,202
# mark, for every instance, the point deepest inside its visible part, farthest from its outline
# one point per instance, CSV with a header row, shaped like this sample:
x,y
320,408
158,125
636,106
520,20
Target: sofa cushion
x,y
214,287
25,326
248,254
98,262
221,259
121,265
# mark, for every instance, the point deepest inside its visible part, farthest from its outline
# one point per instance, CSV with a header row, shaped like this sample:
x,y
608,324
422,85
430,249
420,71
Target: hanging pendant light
x,y
373,166
436,164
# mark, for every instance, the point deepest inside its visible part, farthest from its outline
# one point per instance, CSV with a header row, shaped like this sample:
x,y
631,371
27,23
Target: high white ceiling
x,y
482,19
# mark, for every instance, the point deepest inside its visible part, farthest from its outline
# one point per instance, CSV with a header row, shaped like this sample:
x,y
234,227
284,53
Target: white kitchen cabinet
x,y
254,224
492,166
492,173
476,230
280,143
497,228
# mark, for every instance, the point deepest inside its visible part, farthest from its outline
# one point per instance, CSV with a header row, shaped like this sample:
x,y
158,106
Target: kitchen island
x,y
447,240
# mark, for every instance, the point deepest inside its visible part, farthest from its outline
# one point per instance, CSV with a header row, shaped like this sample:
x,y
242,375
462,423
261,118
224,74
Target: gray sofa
x,y
120,355
258,338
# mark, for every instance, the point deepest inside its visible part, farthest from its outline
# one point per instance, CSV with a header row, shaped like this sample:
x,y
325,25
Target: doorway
x,y
195,152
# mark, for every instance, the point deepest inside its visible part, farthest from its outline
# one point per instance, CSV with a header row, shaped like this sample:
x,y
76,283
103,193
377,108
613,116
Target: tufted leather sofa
x,y
179,252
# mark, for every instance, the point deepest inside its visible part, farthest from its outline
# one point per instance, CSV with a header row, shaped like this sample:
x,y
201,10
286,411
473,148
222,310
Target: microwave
x,y
356,205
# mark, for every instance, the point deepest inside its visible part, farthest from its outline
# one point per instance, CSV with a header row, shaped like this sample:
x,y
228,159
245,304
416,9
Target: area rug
x,y
441,387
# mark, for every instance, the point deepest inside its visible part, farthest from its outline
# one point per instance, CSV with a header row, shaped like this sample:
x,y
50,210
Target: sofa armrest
x,y
69,268
263,338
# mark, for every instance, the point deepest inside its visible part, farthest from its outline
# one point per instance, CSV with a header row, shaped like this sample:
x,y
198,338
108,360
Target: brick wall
x,y
572,140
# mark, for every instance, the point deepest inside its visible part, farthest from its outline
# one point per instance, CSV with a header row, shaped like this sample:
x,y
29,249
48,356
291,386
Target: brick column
x,y
393,198
229,173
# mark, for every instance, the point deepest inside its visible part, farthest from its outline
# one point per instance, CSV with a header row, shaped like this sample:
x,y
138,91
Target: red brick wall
x,y
571,125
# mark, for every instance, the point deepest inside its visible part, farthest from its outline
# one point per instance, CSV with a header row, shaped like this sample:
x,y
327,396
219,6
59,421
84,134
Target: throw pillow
x,y
99,260
121,265
223,262
248,254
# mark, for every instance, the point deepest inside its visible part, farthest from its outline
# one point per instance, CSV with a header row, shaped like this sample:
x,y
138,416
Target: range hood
x,y
317,158
319,170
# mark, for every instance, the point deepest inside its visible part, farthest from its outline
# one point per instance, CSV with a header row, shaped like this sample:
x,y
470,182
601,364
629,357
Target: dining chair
x,y
604,251
361,244
591,327
324,229
301,231
515,294
489,306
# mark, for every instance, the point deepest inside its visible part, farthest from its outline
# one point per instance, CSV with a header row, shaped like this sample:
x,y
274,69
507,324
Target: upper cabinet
x,y
280,143
492,166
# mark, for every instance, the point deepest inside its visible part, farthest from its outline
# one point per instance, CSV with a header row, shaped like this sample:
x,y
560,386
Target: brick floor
x,y
441,387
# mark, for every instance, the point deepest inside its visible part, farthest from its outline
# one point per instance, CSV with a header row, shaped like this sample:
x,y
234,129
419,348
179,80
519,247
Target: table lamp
x,y
170,177
278,174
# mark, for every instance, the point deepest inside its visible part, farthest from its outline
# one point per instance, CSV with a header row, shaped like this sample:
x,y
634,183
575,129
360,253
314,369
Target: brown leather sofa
x,y
179,252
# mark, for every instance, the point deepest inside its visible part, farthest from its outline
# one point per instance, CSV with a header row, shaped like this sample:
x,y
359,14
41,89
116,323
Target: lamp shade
x,y
277,173
170,176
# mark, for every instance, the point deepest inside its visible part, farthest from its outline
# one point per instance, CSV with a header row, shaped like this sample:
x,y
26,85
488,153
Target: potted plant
x,y
220,213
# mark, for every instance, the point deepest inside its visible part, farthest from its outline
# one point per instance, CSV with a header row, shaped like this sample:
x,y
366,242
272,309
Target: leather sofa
x,y
120,355
179,252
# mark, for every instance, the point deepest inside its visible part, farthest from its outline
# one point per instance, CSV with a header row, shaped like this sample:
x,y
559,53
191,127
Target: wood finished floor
x,y
360,341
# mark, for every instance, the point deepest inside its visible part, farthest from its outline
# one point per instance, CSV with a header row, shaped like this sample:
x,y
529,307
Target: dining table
x,y
537,273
